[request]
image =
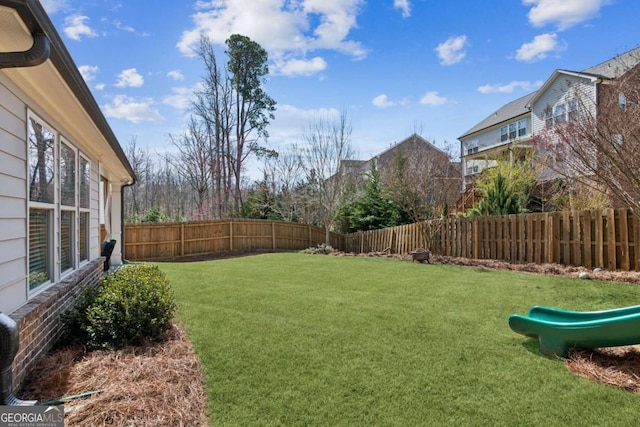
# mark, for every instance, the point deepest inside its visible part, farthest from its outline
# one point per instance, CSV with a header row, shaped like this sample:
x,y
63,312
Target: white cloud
x,y
290,122
452,50
53,6
75,27
563,13
509,87
383,101
539,48
100,86
404,6
179,99
288,30
129,78
132,109
300,67
176,75
88,72
433,98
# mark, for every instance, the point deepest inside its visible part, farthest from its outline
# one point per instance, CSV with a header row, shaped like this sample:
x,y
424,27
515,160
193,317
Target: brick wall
x,y
39,321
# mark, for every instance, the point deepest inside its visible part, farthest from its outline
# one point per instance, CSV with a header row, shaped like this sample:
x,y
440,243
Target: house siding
x,y
564,88
13,205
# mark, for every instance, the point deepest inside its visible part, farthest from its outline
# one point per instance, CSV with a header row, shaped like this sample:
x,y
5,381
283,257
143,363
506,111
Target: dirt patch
x,y
150,385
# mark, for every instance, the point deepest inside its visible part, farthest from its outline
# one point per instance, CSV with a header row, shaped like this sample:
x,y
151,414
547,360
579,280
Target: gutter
x,y
36,55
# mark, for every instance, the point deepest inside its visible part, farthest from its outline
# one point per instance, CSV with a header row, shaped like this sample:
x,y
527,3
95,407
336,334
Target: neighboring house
x,y
422,158
62,171
512,127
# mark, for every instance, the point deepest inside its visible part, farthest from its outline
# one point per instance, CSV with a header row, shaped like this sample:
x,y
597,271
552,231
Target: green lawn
x,y
293,339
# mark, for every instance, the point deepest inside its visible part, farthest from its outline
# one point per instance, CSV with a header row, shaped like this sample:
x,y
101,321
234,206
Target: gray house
x,y
511,128
62,171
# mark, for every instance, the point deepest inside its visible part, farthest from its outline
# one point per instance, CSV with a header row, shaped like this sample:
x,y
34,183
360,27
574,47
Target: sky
x,y
395,67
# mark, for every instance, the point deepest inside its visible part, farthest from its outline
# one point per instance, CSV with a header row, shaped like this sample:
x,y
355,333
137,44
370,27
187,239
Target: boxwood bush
x,y
131,306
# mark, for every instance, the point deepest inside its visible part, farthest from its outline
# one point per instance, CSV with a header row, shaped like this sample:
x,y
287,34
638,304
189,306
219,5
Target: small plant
x,y
132,305
321,249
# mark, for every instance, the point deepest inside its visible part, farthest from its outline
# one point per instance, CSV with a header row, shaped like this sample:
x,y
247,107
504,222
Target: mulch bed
x,y
151,385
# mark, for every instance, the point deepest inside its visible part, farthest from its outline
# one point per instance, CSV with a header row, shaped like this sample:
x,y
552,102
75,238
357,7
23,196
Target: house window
x,y
472,169
41,202
622,102
513,131
572,110
504,134
472,146
548,117
522,127
559,113
84,188
59,205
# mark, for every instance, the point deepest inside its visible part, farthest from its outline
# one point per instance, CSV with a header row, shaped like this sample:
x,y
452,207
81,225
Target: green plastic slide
x,y
559,330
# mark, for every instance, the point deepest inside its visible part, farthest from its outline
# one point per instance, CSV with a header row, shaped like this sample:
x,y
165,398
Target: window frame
x,y
66,212
48,206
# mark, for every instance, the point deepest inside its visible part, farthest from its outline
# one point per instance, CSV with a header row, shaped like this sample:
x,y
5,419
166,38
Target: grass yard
x,y
293,339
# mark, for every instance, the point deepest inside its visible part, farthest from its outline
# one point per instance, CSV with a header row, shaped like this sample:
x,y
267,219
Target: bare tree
x,y
597,145
193,163
283,173
424,181
326,147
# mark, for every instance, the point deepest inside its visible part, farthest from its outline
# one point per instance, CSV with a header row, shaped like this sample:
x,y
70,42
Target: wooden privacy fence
x,y
148,241
607,238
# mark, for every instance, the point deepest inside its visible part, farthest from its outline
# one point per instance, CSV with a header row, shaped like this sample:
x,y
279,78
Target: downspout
x,y
128,184
39,53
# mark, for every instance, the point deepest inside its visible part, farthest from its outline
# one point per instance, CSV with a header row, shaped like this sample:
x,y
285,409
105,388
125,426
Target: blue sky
x,y
395,66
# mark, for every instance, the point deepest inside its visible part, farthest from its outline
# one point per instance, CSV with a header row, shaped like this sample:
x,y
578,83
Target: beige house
x,y
62,171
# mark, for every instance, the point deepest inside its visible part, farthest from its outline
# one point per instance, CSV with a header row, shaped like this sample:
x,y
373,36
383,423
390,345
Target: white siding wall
x,y
13,205
14,105
564,88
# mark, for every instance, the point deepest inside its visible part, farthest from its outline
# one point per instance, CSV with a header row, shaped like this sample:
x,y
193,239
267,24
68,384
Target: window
x,y
572,110
512,130
84,188
472,146
548,117
622,102
504,134
559,113
41,202
522,127
59,205
472,169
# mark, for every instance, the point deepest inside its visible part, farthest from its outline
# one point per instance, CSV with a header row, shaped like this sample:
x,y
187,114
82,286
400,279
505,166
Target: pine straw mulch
x,y
151,385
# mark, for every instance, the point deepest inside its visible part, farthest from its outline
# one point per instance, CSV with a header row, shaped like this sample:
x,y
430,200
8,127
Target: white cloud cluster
x,y
76,27
53,6
288,30
132,109
539,48
433,98
383,101
561,13
404,6
509,87
452,50
88,72
176,75
129,78
179,99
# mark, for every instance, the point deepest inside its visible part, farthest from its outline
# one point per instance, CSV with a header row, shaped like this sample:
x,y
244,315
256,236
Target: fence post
x,y
273,235
230,235
182,239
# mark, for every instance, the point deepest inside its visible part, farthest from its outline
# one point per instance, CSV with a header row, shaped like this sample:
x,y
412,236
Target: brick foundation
x,y
39,321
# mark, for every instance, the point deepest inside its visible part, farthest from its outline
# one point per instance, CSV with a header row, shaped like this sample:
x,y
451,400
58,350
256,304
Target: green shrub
x,y
132,305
